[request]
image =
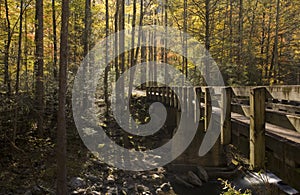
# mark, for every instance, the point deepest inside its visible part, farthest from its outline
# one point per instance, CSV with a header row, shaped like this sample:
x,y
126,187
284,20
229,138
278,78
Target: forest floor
x,y
30,167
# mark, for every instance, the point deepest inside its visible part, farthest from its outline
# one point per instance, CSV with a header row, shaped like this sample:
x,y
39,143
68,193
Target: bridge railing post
x,y
207,108
257,128
184,99
197,109
179,102
171,97
226,96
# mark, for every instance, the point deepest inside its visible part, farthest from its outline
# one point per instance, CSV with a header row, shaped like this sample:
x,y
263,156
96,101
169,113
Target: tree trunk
x,y
107,68
7,48
207,37
240,39
19,49
117,40
267,69
61,117
275,63
87,27
26,53
262,46
39,65
54,40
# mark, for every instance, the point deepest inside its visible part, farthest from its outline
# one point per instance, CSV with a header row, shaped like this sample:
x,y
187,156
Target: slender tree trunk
x,y
55,52
267,69
133,33
26,54
230,31
117,40
240,38
18,73
166,42
275,49
19,48
7,48
262,45
155,49
87,27
61,117
122,35
107,68
39,64
207,37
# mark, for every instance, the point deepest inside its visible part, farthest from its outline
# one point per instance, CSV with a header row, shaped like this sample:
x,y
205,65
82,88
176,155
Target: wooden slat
x,y
226,115
241,91
207,108
283,107
290,93
257,128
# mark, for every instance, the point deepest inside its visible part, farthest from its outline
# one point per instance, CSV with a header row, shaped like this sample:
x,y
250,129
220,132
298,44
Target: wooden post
x,y
159,94
226,96
197,109
208,108
257,128
147,93
163,98
179,102
184,100
171,97
167,96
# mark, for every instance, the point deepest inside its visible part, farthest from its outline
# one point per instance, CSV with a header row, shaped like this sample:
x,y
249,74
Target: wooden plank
x,y
280,119
257,128
171,92
179,98
241,91
197,109
241,109
226,115
184,100
207,108
290,93
283,107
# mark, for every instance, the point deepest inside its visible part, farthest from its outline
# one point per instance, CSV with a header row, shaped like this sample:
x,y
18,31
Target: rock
x,y
194,179
79,191
202,174
96,193
141,188
123,191
166,187
144,177
93,178
112,191
77,182
155,176
111,178
158,191
181,181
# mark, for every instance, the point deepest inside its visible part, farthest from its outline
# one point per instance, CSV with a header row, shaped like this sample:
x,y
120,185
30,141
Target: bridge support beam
x,y
226,115
257,128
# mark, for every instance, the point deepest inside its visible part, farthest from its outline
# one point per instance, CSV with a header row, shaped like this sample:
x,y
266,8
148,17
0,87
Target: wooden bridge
x,y
263,123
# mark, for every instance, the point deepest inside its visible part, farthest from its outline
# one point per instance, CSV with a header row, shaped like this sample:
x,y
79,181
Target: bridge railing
x,y
264,122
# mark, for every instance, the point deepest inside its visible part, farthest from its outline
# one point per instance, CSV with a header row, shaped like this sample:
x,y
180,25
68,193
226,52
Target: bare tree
x,y
39,64
7,48
61,117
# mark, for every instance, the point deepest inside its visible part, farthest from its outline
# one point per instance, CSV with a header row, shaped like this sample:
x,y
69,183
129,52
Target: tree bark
x,y
61,117
107,68
55,51
19,48
7,48
39,65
